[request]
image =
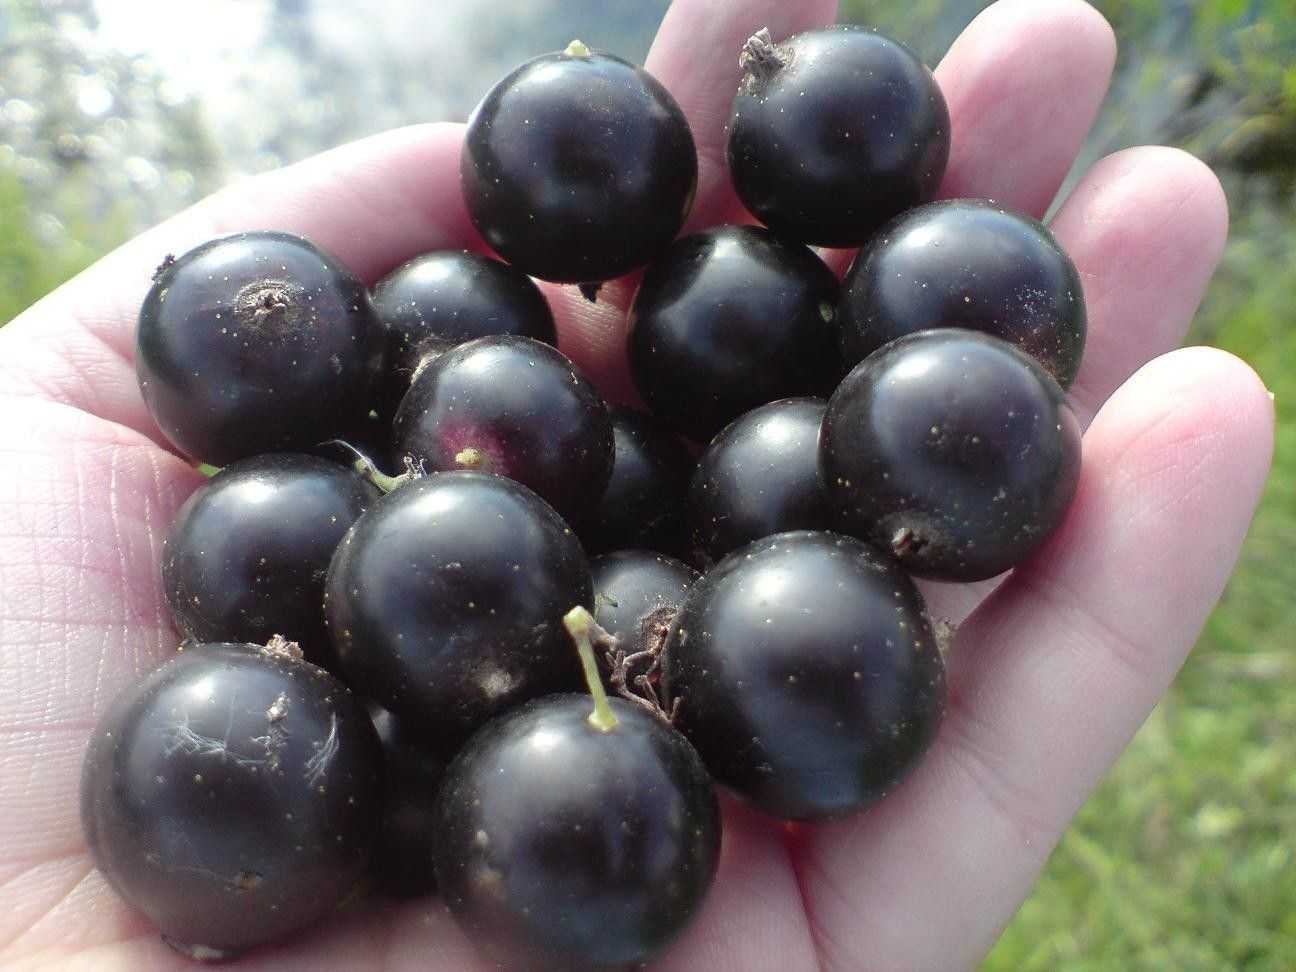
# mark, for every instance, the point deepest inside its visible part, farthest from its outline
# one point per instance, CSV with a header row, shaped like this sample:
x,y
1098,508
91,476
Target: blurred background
x,y
116,113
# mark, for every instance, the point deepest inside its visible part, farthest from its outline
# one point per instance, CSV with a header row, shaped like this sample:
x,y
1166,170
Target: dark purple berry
x,y
730,319
807,674
445,601
248,551
966,263
232,796
257,342
441,299
515,407
565,846
758,477
642,505
952,449
407,833
578,167
636,594
833,132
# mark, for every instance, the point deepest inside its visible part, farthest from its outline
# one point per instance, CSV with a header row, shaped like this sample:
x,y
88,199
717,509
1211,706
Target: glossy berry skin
x,y
972,264
247,553
730,319
636,591
642,504
515,407
257,342
954,450
445,601
406,834
809,678
758,477
833,132
578,167
445,298
566,847
231,796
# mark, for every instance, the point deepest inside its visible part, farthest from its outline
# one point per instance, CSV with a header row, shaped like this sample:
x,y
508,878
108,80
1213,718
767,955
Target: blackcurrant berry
x,y
966,263
232,795
247,553
758,477
730,319
952,449
578,166
515,407
445,601
833,132
441,299
258,342
570,840
636,594
642,504
807,674
407,833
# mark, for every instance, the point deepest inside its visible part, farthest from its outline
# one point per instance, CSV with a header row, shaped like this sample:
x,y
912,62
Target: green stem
x,y
578,623
207,469
365,466
577,49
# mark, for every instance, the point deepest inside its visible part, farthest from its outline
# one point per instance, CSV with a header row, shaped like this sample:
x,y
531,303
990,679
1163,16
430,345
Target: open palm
x,y
1049,676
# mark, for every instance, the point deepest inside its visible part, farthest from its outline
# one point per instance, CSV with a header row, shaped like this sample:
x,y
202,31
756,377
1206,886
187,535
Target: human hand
x,y
1049,675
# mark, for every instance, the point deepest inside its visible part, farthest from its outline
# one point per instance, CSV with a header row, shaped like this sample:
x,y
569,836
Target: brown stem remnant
x,y
759,59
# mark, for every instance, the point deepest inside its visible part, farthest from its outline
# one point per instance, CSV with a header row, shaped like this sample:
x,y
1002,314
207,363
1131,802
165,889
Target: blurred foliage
x,y
1184,857
94,145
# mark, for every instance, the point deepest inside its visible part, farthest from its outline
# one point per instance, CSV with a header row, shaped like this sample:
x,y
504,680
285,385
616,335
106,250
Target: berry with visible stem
x,y
445,601
833,132
246,555
441,299
730,319
232,796
636,596
578,167
576,839
809,676
952,449
758,477
515,407
966,263
257,342
645,494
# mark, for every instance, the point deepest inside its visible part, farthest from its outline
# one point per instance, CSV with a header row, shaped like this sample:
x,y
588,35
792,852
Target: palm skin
x,y
1050,675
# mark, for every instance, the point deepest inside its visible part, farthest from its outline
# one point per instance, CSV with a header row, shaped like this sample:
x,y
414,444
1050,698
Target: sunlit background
x,y
116,113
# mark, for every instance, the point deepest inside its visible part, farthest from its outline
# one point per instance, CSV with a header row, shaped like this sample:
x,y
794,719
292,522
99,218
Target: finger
x,y
1054,673
752,918
1024,83
1146,228
372,204
695,56
1143,279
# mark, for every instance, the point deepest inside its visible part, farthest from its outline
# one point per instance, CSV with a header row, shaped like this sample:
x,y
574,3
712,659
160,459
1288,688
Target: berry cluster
x,y
396,647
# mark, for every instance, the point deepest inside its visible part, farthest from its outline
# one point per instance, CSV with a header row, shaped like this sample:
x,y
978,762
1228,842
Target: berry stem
x,y
759,57
577,48
366,467
578,623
